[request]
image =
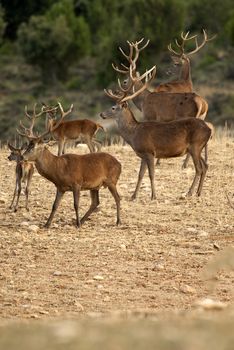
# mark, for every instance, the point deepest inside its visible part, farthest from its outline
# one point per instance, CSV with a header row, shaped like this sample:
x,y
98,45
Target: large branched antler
x,y
123,95
130,57
28,132
185,38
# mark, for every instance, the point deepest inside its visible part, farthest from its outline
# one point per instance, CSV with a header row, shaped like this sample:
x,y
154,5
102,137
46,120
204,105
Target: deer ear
x,y
125,104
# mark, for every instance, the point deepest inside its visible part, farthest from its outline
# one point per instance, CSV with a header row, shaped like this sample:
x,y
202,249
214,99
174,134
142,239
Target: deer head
x,y
37,141
181,55
16,153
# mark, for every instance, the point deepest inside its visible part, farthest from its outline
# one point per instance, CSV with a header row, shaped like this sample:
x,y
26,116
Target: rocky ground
x,y
160,259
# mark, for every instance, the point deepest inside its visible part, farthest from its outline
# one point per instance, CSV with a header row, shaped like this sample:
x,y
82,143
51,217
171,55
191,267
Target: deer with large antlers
x,y
72,130
71,172
159,140
180,57
24,171
157,106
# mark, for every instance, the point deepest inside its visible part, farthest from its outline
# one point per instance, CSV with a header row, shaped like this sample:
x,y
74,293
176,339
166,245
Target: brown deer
x,y
180,57
158,106
24,171
83,130
152,140
72,172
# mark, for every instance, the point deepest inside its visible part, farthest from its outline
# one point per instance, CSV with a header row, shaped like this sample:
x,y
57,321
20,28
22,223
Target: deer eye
x,y
113,108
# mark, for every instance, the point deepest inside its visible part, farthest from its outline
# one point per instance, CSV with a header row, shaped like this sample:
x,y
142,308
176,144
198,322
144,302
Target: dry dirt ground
x,y
154,261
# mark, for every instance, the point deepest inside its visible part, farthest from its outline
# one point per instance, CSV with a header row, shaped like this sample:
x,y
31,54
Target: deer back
x,y
169,106
72,129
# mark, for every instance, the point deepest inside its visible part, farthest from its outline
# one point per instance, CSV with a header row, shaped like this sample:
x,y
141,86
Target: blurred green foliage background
x,y
63,49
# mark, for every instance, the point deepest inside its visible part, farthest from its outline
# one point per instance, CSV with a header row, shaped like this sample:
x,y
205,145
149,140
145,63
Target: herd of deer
x,y
173,126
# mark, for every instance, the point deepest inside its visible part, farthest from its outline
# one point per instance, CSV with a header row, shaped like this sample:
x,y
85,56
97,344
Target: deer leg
x,y
98,144
113,191
57,200
206,153
18,195
60,147
94,204
204,170
150,164
27,188
158,162
185,162
199,170
15,191
64,147
140,177
90,145
76,196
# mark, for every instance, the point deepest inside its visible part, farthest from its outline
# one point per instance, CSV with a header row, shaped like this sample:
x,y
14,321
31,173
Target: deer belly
x,y
91,185
171,152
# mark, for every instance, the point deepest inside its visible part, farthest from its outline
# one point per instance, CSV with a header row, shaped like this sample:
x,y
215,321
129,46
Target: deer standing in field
x,y
83,129
180,57
159,106
152,140
24,171
72,172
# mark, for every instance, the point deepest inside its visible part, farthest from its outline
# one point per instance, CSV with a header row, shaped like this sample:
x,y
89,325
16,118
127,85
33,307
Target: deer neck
x,y
46,164
127,125
185,73
139,100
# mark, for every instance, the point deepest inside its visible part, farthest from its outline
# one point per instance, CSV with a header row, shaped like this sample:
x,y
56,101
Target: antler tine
x,y
144,46
63,115
198,47
125,91
173,51
148,75
110,93
123,65
27,132
139,41
117,69
128,57
184,37
26,112
205,34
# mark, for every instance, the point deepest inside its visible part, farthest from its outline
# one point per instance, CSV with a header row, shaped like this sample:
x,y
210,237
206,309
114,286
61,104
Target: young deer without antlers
x,y
152,140
158,106
24,171
180,57
71,172
83,130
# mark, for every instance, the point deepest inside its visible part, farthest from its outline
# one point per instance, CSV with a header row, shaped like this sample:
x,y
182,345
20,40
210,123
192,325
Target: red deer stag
x,y
152,140
72,172
24,171
180,57
159,106
83,130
